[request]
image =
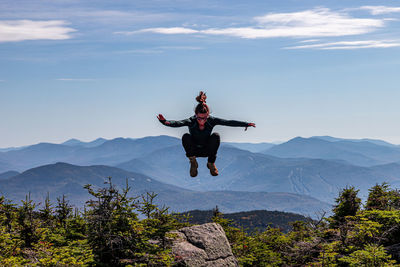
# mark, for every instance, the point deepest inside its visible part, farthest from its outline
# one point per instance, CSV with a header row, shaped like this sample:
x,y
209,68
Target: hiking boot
x,y
193,166
213,168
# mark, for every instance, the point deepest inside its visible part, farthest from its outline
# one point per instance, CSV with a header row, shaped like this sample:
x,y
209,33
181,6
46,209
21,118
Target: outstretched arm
x,y
170,123
233,123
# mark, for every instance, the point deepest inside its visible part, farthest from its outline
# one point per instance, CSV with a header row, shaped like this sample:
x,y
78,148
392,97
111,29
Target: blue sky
x,y
88,69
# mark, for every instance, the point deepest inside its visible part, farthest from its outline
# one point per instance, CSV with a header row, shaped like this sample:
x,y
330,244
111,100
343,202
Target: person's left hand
x,y
251,124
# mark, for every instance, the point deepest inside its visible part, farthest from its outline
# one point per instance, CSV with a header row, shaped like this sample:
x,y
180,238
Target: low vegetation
x,y
250,221
117,230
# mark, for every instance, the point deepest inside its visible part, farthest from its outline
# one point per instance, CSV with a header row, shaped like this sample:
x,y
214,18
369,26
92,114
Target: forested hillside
x,y
109,233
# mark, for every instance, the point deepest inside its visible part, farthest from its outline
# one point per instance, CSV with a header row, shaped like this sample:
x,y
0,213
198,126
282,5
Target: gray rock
x,y
202,245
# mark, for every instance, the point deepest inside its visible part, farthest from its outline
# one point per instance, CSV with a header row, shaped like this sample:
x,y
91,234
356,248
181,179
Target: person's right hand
x,y
161,118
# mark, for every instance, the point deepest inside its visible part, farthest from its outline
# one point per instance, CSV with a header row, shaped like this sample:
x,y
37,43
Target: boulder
x,y
202,245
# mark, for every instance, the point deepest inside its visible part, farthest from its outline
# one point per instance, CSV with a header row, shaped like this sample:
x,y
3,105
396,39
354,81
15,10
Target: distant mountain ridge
x,y
316,167
257,172
362,153
62,178
76,142
252,147
108,152
373,141
8,174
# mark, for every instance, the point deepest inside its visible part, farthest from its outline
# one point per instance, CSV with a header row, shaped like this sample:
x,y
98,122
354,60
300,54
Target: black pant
x,y
207,150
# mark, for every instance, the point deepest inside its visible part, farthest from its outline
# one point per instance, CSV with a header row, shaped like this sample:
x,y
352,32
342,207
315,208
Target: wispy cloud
x,y
2,81
320,22
75,80
21,30
347,45
309,41
172,30
378,10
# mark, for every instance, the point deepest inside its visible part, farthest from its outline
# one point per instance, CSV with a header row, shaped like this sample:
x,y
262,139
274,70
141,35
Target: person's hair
x,y
202,106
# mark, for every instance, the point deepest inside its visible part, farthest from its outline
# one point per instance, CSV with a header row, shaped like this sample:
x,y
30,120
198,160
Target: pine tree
x,y
378,197
347,204
111,224
46,213
63,211
27,222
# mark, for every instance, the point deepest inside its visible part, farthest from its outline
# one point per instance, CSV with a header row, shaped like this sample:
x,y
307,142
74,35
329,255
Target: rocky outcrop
x,y
202,245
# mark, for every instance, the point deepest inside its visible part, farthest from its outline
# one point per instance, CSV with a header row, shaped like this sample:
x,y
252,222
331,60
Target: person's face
x,y
201,118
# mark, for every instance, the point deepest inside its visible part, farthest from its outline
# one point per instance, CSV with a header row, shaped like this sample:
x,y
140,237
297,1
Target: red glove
x,y
161,118
251,124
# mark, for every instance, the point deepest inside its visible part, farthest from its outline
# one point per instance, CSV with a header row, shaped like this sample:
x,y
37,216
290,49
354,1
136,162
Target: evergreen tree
x,y
63,211
7,212
347,204
378,197
46,213
111,225
27,222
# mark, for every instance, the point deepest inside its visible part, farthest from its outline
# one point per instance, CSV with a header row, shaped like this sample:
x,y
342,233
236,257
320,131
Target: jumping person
x,y
199,142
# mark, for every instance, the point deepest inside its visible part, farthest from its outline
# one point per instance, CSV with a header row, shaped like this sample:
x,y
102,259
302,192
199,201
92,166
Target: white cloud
x,y
321,22
347,45
173,30
309,41
20,30
75,80
378,10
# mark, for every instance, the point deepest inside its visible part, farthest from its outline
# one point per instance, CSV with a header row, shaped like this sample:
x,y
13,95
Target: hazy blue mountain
x,y
382,153
120,149
62,178
10,149
109,152
252,147
76,142
8,174
163,158
374,141
35,155
4,166
72,142
362,153
243,170
390,172
170,165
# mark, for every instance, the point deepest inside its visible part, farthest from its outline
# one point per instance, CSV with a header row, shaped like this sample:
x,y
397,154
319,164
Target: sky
x,y
89,69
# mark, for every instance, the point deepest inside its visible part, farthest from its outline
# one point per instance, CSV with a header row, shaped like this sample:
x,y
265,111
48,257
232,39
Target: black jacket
x,y
200,136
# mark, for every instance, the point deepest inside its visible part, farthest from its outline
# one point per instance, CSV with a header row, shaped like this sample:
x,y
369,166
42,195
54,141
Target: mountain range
x,y
317,167
360,152
107,152
63,178
257,172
